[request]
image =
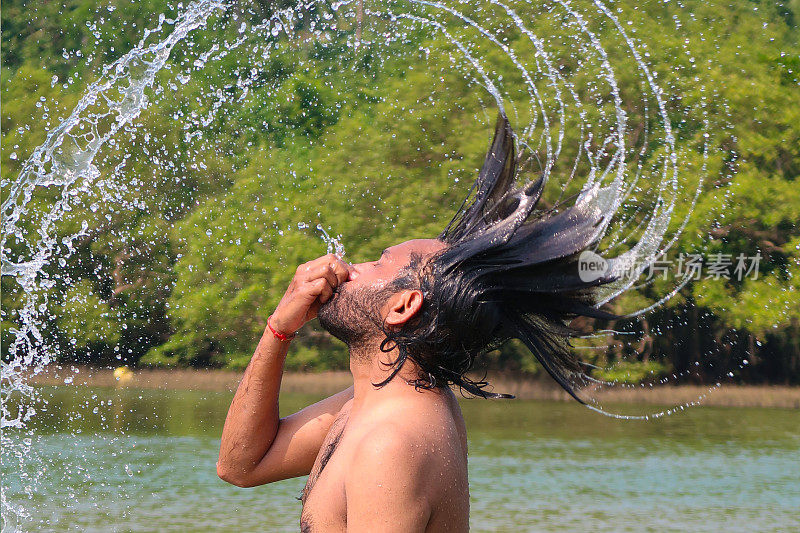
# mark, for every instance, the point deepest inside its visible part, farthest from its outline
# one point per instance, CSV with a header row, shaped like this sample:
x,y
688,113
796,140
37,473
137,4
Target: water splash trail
x,y
66,159
334,245
121,88
65,162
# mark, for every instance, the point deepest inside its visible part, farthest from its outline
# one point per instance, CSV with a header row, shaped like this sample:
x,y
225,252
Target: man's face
x,y
355,312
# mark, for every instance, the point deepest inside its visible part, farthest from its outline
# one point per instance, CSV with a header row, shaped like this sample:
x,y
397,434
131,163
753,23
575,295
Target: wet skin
x,y
378,459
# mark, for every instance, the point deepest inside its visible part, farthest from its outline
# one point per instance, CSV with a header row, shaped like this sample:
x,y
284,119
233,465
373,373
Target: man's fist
x,y
313,285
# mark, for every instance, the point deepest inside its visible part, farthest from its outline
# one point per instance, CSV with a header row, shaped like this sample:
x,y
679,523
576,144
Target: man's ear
x,y
403,306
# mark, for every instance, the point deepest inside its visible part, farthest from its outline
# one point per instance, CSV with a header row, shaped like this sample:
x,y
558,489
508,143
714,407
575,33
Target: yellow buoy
x,y
123,374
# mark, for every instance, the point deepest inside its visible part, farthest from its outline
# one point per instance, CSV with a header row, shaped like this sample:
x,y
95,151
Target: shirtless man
x,y
380,459
390,452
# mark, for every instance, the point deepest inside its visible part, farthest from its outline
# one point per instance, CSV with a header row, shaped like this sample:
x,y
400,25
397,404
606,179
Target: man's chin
x,y
341,317
328,315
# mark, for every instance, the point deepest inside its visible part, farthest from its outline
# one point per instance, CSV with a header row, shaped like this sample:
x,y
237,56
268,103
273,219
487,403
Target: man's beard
x,y
353,316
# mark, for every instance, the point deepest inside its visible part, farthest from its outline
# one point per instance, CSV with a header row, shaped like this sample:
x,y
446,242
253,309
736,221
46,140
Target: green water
x,y
144,461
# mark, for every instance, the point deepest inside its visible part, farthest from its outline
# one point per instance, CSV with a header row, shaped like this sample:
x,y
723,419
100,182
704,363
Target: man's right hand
x,y
257,446
313,285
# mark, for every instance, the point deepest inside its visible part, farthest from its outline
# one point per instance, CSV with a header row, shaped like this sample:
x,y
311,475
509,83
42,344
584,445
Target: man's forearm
x,y
252,424
252,421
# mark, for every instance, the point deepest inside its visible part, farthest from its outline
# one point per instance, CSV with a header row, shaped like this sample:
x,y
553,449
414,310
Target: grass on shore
x,y
326,383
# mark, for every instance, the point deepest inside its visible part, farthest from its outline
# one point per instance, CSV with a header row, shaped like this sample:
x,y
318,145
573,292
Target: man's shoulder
x,y
418,416
388,435
395,479
391,454
408,454
414,431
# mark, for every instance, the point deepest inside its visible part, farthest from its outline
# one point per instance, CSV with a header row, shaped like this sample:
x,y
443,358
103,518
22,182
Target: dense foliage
x,y
190,277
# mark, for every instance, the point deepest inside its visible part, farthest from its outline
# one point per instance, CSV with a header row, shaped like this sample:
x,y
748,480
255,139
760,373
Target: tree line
x,y
379,147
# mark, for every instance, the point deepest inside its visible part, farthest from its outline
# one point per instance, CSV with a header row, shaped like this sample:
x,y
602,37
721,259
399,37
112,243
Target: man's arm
x,y
390,486
257,447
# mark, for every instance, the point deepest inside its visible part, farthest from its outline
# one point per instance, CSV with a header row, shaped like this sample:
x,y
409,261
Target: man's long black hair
x,y
509,271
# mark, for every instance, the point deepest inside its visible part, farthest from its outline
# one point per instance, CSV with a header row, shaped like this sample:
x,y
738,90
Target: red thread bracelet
x,y
281,336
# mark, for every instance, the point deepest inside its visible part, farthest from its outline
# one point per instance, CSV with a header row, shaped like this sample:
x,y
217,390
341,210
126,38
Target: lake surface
x,y
144,460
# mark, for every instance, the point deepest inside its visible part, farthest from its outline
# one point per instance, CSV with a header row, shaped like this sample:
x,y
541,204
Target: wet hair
x,y
509,271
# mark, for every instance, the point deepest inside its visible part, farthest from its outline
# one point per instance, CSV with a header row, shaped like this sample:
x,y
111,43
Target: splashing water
x,y
560,90
333,245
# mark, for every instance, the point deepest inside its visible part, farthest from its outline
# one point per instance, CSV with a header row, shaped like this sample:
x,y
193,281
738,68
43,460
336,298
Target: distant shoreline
x,y
330,382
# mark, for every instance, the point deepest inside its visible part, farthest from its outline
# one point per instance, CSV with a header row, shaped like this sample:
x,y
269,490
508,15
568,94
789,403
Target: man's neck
x,y
370,366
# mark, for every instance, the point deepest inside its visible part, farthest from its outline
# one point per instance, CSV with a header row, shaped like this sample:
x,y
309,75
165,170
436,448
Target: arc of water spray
x,y
52,164
65,170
